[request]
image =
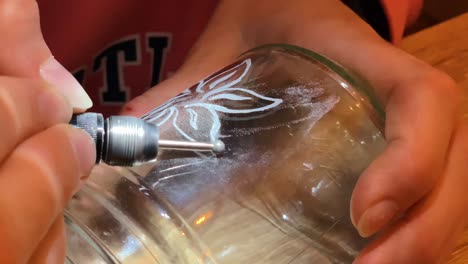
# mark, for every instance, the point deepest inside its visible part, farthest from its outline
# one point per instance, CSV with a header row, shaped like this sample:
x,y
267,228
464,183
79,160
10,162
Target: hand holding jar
x,y
420,173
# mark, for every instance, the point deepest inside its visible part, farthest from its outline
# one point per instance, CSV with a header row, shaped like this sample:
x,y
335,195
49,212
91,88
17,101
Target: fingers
x,y
420,105
40,166
57,76
162,92
36,181
52,248
431,230
27,107
420,120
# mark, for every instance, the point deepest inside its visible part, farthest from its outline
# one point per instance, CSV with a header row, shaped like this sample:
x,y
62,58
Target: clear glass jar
x,y
298,130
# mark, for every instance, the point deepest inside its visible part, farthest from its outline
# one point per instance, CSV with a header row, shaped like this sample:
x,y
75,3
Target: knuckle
x,y
8,111
51,157
419,176
45,181
53,107
29,102
443,86
27,107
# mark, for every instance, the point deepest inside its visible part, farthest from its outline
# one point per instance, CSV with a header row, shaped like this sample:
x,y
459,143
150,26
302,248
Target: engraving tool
x,y
131,141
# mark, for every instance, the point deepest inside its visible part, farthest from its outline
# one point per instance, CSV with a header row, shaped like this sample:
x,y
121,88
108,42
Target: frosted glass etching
x,y
207,94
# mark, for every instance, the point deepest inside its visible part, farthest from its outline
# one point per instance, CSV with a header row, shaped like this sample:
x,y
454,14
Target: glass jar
x,y
299,130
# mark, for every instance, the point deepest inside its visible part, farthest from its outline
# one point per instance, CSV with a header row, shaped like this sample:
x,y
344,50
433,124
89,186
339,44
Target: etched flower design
x,y
198,111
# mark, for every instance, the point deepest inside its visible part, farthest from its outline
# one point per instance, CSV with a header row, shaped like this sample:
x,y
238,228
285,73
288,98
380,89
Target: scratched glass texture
x,y
298,130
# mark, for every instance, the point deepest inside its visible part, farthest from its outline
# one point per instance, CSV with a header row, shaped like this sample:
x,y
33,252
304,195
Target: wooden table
x,y
445,46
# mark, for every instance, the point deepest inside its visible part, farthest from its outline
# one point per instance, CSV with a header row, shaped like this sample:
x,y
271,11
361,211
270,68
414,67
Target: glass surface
x,y
298,130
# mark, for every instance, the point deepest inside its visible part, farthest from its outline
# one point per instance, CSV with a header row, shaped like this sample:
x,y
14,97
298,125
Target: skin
x,y
42,160
421,172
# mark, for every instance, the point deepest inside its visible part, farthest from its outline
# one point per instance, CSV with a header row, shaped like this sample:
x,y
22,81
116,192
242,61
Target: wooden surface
x,y
445,46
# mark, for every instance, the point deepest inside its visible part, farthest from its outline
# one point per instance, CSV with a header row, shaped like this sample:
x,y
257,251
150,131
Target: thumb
x,y
24,52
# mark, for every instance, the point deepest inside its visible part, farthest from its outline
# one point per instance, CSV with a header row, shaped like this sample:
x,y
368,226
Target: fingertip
x,y
53,106
376,217
62,80
84,149
156,96
389,186
430,230
127,109
138,106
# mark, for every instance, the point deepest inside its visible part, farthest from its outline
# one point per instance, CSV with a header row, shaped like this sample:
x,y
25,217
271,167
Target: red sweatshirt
x,y
400,14
118,49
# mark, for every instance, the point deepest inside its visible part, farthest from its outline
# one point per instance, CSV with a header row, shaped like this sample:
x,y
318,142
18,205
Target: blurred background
x,y
437,11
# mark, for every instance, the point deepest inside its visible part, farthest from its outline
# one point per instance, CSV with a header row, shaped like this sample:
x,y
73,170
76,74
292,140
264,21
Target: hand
x,y
420,173
43,161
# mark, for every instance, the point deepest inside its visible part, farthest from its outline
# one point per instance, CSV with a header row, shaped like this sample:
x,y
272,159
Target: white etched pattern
x,y
204,97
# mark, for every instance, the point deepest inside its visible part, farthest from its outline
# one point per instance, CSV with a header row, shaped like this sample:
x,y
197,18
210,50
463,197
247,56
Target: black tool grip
x,y
93,124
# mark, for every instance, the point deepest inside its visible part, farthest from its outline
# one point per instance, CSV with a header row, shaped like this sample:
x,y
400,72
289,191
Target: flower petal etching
x,y
216,95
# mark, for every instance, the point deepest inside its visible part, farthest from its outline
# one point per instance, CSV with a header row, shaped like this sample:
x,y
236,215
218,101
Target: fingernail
x,y
377,216
85,151
55,74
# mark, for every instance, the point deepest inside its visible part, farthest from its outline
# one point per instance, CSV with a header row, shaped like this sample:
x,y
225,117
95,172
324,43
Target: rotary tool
x,y
131,141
